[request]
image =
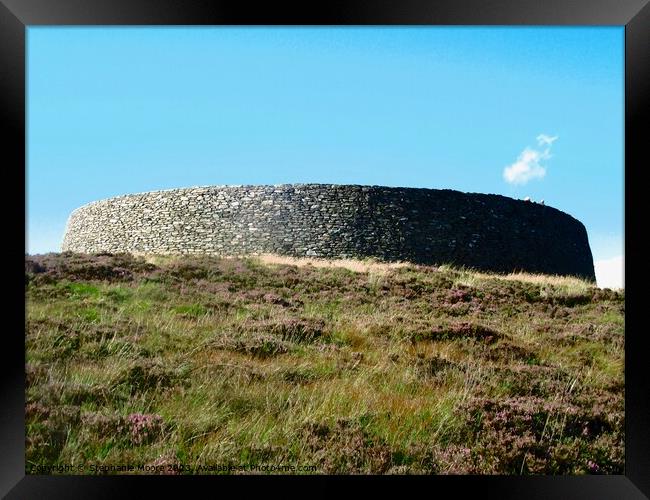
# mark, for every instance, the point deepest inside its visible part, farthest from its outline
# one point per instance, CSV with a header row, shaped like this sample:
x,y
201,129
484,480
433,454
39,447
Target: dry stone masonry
x,y
425,226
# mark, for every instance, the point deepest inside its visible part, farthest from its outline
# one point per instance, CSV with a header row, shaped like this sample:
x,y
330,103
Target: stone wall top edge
x,y
302,185
288,185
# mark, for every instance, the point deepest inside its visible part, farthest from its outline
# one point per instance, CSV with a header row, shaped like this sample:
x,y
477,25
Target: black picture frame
x,y
17,15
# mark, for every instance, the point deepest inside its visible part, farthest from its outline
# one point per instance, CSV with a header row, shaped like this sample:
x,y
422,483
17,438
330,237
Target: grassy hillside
x,y
359,367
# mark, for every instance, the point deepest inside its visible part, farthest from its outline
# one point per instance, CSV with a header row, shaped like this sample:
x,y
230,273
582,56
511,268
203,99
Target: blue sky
x,y
517,111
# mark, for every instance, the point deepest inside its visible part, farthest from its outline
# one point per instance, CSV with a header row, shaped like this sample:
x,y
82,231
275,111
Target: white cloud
x,y
610,272
528,165
543,139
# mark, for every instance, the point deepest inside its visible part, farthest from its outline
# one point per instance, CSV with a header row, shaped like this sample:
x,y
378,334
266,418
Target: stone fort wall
x,y
425,226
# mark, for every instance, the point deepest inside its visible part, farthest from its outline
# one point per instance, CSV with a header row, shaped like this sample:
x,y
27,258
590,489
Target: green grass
x,y
367,369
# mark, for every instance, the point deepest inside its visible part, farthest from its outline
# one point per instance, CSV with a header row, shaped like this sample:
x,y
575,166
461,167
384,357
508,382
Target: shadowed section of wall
x,y
425,226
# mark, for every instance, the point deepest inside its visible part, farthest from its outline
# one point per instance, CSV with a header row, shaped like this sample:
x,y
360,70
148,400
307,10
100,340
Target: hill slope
x,y
198,364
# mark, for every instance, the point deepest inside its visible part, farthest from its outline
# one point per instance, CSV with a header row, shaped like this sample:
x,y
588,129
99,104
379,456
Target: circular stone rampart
x,y
425,226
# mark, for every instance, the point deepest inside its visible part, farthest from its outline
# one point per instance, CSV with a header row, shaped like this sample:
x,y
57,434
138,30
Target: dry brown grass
x,y
567,284
470,277
356,265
